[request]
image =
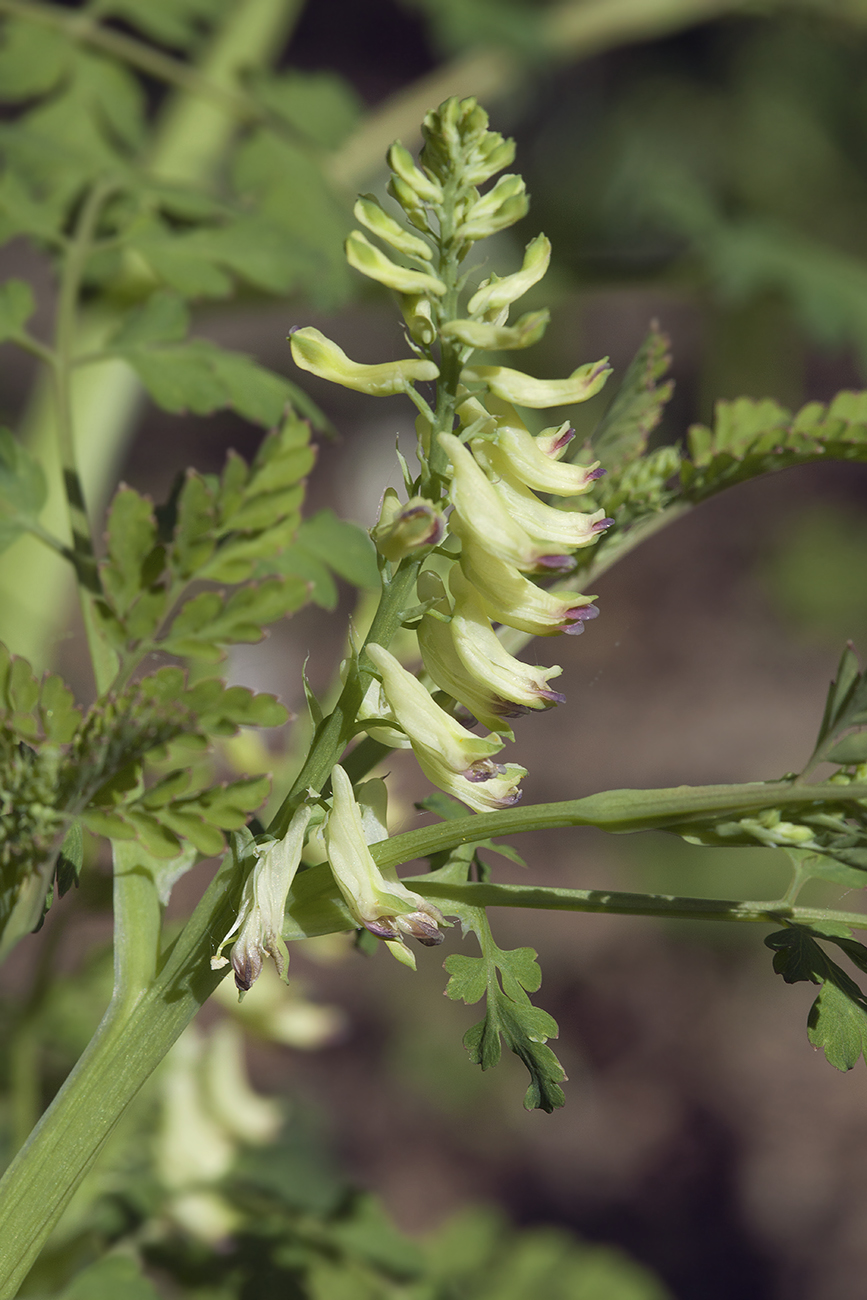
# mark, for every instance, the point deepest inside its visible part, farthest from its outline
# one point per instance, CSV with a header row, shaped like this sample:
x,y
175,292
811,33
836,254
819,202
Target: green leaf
x,y
57,712
507,977
163,318
289,189
468,978
320,105
345,547
845,707
17,305
23,489
210,620
749,438
637,409
32,60
838,1023
115,1277
70,860
179,24
131,537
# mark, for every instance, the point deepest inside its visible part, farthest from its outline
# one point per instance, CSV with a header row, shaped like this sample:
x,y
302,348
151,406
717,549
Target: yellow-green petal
x,y
312,351
370,261
525,390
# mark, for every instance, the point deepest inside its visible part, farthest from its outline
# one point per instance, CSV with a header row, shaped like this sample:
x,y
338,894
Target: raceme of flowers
x,y
482,473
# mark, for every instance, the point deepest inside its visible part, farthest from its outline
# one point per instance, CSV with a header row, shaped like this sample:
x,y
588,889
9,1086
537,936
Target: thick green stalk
x,y
122,1055
618,812
613,902
189,145
338,728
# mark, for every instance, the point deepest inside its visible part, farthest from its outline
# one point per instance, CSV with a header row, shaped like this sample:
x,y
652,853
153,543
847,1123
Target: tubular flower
x,y
516,453
484,657
263,903
527,330
497,293
372,262
371,214
524,390
565,528
384,906
481,510
510,598
312,351
448,670
449,755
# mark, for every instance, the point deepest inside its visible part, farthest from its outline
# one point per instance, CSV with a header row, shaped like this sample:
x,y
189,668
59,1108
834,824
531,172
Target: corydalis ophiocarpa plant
x,y
475,455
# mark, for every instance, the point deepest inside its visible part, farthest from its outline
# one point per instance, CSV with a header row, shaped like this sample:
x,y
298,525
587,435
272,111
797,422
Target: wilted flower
x,y
259,925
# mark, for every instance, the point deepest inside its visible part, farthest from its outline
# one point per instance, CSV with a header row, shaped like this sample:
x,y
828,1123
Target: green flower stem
x,y
133,1038
618,812
338,728
613,902
189,146
84,558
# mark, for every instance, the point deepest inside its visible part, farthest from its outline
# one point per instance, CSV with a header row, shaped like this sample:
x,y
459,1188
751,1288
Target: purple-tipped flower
x,y
379,902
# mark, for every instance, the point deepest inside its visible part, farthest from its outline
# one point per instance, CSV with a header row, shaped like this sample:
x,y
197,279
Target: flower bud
x,y
525,390
418,314
312,351
512,599
497,293
410,202
492,155
500,208
400,161
403,529
371,214
527,330
383,905
370,261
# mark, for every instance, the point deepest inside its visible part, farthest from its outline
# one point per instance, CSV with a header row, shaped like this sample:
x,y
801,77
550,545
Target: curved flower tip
x,y
377,900
578,617
523,390
313,352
